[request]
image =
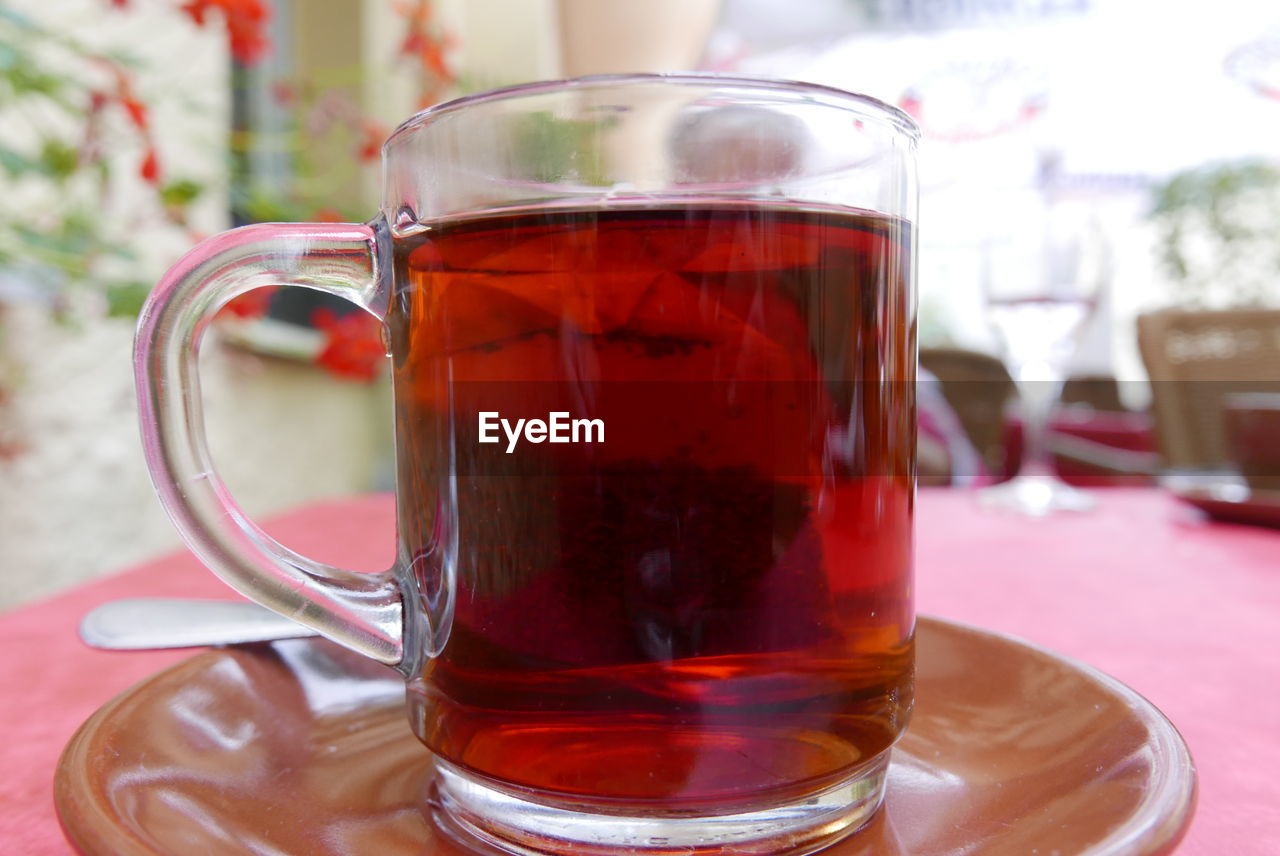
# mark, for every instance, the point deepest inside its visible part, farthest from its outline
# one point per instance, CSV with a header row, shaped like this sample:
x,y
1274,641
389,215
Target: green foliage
x,y
260,204
297,159
551,147
53,94
181,192
1218,228
125,299
58,160
15,163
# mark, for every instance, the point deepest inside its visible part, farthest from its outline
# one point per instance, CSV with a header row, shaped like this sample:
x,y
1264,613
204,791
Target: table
x,y
1185,611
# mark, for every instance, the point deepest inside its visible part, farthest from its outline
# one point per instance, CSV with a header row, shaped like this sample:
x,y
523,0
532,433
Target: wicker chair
x,y
1101,392
978,388
1194,360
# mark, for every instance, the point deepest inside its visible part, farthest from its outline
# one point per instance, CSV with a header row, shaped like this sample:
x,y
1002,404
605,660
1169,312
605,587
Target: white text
x,y
558,428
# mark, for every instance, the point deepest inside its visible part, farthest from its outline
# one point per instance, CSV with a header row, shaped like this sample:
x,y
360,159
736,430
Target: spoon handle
x,y
137,624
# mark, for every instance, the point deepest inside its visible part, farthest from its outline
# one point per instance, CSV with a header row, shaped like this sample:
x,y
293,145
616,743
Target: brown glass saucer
x,y
1233,502
301,748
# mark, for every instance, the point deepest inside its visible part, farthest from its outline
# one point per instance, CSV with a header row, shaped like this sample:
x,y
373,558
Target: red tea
x,y
711,598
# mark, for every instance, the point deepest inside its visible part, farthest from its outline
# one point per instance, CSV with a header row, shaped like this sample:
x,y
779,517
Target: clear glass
x,y
1038,320
691,633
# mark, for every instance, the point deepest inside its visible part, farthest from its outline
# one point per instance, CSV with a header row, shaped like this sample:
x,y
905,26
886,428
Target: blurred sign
x,y
1257,65
934,14
962,101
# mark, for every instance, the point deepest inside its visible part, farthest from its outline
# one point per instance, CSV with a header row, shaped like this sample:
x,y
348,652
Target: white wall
x,y
76,501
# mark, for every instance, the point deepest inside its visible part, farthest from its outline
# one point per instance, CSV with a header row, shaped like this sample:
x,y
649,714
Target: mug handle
x,y
364,612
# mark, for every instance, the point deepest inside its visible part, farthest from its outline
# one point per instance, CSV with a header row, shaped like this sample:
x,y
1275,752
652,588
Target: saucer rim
x,y
1180,783
1231,501
1155,828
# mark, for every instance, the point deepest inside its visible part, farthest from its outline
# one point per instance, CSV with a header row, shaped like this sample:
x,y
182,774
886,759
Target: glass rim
x,y
893,117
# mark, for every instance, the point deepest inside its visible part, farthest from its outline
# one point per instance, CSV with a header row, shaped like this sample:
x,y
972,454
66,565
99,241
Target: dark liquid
x,y
714,602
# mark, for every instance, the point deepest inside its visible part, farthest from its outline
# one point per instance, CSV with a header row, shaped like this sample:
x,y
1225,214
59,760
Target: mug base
x,y
467,807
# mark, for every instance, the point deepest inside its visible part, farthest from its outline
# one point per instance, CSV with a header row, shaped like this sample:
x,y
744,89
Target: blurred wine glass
x,y
1038,319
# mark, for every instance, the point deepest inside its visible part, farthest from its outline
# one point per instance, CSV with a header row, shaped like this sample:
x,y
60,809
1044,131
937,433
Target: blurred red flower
x,y
427,46
353,345
246,23
371,136
250,305
284,93
327,215
150,168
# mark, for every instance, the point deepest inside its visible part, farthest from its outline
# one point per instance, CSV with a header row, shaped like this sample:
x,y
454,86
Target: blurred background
x,y
1130,145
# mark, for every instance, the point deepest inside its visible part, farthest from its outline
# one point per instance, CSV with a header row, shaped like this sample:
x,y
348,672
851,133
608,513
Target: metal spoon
x,y
137,624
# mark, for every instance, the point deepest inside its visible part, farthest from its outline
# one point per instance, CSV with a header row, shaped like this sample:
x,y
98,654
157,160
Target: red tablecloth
x,y
1185,611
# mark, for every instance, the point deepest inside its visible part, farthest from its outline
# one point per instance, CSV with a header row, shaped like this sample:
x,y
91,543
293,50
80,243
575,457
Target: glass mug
x,y
653,345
